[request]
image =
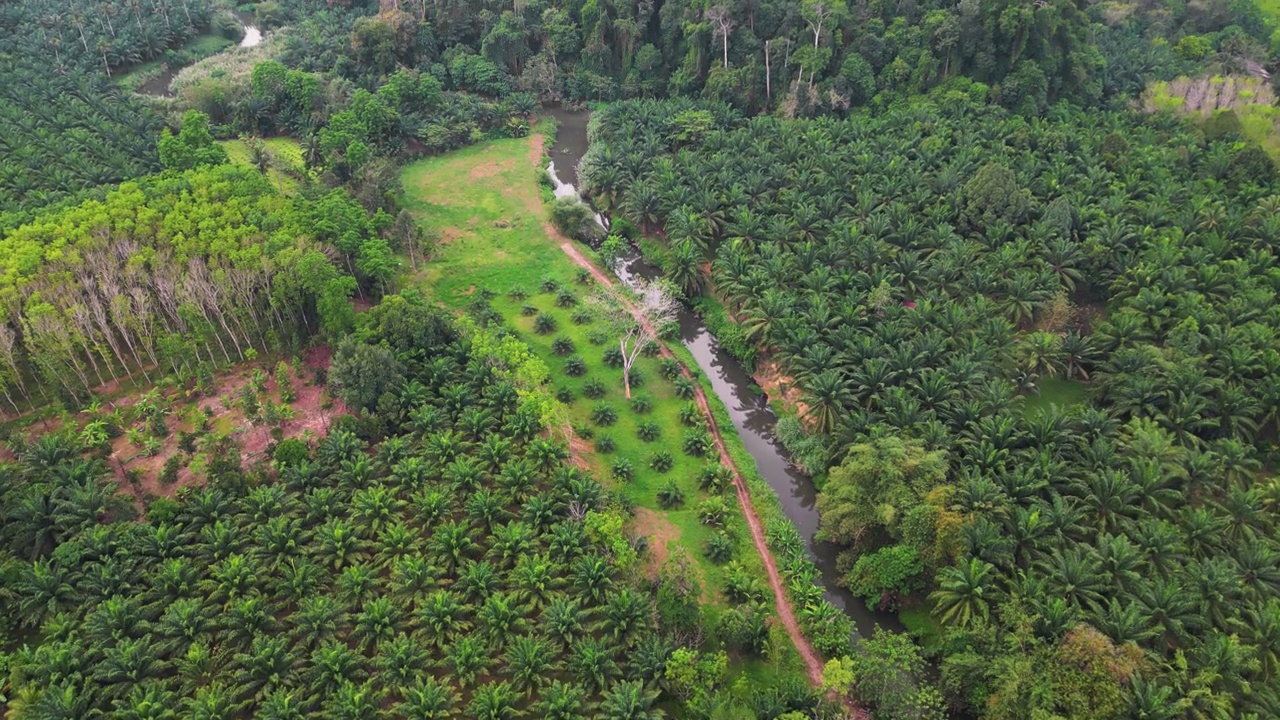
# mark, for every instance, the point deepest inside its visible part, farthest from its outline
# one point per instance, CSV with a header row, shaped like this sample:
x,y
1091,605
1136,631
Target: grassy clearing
x,y
1056,391
286,160
486,206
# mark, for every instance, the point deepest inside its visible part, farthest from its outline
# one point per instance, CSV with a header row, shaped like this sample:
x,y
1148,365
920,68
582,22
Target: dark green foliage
x,y
691,415
529,310
623,470
360,373
886,575
566,299
670,368
544,324
575,366
637,378
670,495
1042,479
565,395
719,548
715,477
593,389
641,404
421,578
169,473
696,442
604,414
661,461
192,147
582,316
648,431
562,345
583,276
599,336
291,452
605,443
684,388
549,285
613,357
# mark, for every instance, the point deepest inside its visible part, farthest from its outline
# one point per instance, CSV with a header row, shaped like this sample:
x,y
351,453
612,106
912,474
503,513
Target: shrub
x,y
719,548
713,511
528,310
593,389
651,349
583,276
605,444
582,316
566,299
584,431
562,345
715,477
544,324
599,336
549,285
648,431
169,473
291,452
662,461
887,574
670,368
691,415
613,357
696,443
642,404
564,395
623,470
518,293
637,378
807,452
670,495
604,415
575,366
684,388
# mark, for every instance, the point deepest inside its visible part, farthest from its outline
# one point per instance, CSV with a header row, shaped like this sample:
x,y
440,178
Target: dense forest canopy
x,y
918,282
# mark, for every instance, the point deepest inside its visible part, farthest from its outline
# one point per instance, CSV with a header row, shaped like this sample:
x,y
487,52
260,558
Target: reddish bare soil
x,y
786,614
313,411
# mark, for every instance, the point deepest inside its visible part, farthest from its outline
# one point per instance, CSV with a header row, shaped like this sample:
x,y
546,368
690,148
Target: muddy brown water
x,y
746,404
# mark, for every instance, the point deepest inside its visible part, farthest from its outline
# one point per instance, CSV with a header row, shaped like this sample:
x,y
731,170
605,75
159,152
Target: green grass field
x,y
485,205
286,158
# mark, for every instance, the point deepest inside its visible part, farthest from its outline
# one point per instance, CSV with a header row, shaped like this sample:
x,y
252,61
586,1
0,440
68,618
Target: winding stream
x,y
158,86
747,406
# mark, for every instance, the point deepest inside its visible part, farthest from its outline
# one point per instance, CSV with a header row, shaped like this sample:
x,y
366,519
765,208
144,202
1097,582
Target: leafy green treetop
x,y
193,146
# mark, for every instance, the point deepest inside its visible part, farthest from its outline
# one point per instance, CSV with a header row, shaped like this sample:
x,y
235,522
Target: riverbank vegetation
x,y
916,286
498,263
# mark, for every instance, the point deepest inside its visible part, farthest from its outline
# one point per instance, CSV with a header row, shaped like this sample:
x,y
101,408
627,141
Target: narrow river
x,y
159,85
748,408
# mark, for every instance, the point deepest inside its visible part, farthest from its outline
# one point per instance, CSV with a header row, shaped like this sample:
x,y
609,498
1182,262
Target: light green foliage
x,y
690,673
192,147
887,574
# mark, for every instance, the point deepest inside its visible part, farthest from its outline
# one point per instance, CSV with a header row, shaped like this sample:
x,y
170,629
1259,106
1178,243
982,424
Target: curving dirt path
x,y
786,614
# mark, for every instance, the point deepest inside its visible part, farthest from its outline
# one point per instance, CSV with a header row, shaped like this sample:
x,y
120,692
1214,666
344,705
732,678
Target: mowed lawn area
x,y
486,206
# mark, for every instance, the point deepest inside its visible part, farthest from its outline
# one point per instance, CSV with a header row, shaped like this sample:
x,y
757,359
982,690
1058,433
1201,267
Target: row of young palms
x,y
447,571
915,273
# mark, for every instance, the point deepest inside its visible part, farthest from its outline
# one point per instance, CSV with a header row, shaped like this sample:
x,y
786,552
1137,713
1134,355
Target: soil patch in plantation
x,y
770,378
661,534
313,411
